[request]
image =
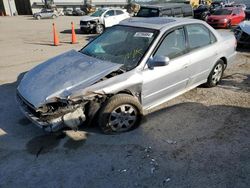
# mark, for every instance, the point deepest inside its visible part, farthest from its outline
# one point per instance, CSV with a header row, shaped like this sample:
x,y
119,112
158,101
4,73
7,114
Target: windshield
x,y
122,45
148,12
98,13
222,12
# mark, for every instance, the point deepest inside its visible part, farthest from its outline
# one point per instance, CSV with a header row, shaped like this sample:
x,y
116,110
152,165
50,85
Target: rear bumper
x,y
231,59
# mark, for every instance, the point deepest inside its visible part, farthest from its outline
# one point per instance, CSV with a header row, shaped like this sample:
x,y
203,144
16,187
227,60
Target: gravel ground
x,y
200,139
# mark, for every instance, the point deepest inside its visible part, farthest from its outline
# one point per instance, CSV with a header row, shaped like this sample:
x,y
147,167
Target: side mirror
x,y
158,61
106,15
234,15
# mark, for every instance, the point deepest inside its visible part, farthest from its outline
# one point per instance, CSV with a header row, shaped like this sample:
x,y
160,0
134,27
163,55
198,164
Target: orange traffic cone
x,y
73,38
56,39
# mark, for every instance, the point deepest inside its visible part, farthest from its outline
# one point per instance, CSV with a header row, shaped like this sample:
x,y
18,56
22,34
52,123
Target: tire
x,y
99,28
229,26
204,16
120,113
216,74
53,16
38,17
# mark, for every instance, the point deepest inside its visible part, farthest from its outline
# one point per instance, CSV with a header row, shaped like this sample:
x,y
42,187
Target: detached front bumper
x,y
51,123
52,126
87,27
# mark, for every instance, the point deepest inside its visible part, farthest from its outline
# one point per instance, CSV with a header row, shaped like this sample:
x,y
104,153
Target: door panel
x,y
160,83
202,52
201,63
109,18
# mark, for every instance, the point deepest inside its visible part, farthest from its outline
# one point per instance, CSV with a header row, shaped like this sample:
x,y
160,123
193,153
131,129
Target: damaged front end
x,y
45,93
54,116
242,33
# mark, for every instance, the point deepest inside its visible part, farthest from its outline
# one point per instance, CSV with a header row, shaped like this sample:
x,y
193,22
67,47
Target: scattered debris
x,y
152,170
148,149
124,170
166,180
170,141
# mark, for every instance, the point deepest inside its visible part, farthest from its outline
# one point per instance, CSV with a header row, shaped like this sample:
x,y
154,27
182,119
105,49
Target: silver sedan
x,y
128,70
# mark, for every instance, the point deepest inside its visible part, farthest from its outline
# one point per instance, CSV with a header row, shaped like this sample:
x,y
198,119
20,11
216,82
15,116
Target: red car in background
x,y
226,17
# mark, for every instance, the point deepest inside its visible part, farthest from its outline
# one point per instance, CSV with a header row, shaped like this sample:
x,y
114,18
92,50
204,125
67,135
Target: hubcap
x,y
217,73
122,118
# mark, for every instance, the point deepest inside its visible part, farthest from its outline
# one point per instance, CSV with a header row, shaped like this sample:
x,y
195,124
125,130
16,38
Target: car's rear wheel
x,y
216,74
229,26
120,113
204,16
99,28
53,16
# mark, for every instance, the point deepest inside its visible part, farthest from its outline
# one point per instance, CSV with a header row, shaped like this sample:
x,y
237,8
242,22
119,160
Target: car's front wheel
x,y
53,16
99,28
216,74
120,113
38,17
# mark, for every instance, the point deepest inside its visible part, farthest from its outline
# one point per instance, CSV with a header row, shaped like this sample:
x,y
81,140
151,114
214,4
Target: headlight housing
x,y
225,20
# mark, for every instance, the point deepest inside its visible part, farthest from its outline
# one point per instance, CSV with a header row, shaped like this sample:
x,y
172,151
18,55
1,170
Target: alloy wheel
x,y
123,118
217,73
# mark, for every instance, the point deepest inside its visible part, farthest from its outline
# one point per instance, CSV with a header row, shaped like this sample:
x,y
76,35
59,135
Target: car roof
x,y
163,5
110,8
157,23
231,8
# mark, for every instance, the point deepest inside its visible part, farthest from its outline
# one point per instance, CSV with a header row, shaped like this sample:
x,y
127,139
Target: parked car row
x,y
221,15
107,17
226,17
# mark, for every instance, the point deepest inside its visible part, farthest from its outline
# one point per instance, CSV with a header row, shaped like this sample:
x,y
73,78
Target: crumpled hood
x,y
57,76
89,18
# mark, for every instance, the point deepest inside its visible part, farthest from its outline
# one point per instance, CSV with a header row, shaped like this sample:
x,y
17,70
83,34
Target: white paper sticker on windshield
x,y
143,34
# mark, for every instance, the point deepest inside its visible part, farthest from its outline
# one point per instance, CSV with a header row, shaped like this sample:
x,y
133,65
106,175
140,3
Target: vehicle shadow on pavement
x,y
236,82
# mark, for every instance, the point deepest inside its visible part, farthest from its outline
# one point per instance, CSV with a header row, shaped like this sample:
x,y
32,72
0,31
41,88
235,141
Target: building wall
x,y
36,5
10,7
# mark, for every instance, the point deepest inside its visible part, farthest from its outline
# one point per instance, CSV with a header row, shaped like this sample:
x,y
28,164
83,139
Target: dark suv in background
x,y
165,9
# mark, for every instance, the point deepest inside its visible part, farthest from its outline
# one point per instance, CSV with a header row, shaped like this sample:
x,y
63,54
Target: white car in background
x,y
102,18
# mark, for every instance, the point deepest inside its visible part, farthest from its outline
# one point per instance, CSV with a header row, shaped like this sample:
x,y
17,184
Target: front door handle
x,y
185,66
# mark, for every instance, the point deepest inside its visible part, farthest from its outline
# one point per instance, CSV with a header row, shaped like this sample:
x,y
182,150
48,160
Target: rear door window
x,y
167,12
148,12
177,11
198,36
110,13
118,12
